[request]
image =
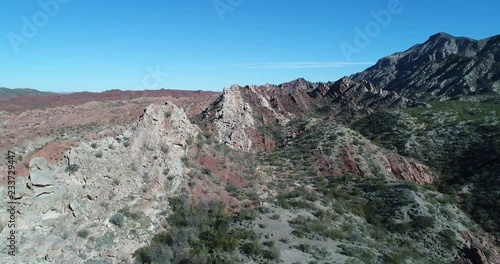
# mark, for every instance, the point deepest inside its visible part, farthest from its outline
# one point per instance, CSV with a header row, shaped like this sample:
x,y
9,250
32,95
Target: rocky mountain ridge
x,y
105,198
441,68
239,115
16,92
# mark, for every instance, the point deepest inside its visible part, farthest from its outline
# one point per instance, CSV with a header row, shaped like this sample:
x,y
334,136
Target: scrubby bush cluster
x,y
459,140
200,234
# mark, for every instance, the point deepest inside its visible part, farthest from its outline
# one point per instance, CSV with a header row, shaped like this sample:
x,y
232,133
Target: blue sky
x,y
90,45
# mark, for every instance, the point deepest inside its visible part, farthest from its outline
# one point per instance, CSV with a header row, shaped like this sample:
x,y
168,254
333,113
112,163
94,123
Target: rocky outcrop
x,y
107,197
408,169
41,175
233,119
343,151
474,246
241,115
442,67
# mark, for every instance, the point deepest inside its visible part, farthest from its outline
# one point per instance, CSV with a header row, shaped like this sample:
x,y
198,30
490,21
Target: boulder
x,y
40,173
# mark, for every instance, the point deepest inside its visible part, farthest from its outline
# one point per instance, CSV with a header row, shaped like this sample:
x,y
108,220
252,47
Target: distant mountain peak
x,y
440,35
9,93
441,68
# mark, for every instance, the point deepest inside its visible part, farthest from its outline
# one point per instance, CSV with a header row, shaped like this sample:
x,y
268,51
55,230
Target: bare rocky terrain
x,y
360,170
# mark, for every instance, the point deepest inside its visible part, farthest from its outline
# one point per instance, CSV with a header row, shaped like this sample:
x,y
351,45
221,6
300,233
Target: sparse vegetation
x,y
185,161
72,168
458,139
115,182
84,233
126,141
197,233
117,219
164,149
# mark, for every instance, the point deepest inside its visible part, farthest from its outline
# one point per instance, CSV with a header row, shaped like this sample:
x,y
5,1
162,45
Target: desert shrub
x,y
115,182
206,171
449,238
251,249
154,253
394,258
134,215
117,219
275,216
235,191
185,161
365,255
422,222
401,228
84,233
284,240
93,145
98,154
249,215
164,149
72,168
271,253
198,234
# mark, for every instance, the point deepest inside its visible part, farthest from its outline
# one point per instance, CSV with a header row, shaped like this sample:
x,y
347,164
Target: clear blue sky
x,y
93,45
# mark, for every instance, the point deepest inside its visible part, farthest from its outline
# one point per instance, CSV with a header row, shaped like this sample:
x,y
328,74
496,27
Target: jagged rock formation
x,y
442,67
239,116
106,198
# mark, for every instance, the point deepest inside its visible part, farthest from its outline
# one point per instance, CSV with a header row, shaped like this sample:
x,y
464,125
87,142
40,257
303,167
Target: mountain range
x,y
395,164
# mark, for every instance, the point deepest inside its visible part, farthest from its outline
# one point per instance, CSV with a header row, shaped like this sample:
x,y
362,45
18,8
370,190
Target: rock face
x,y
233,120
473,249
241,115
442,67
41,175
86,207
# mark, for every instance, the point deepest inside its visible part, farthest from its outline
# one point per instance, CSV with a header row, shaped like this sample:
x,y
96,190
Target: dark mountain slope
x,y
442,67
9,93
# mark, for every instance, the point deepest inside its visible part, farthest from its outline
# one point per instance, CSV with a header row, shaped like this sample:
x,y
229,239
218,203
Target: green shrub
x,y
272,253
185,160
164,149
197,234
116,182
72,168
206,171
84,233
251,249
117,219
275,216
449,238
422,222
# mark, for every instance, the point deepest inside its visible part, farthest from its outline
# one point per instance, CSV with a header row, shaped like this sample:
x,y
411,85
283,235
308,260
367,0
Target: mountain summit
x,y
442,67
